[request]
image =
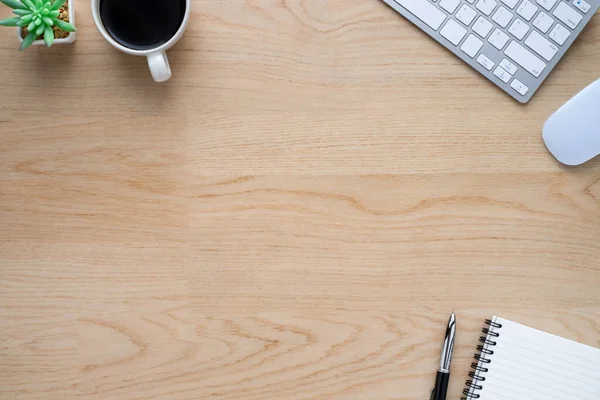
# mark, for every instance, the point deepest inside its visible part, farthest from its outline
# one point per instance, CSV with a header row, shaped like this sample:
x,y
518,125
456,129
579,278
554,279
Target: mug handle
x,y
159,66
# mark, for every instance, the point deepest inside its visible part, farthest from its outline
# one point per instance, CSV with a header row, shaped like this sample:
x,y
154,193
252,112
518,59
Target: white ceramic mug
x,y
157,57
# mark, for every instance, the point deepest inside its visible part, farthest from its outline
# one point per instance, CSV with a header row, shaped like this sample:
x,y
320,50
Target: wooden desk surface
x,y
293,216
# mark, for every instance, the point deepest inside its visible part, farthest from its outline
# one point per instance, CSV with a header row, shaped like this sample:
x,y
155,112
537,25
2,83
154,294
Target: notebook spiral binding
x,y
479,368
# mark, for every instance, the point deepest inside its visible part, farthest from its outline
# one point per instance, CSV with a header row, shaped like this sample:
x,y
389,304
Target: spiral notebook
x,y
516,362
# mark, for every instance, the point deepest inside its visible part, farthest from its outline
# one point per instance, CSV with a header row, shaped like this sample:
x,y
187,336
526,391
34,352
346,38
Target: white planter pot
x,y
69,39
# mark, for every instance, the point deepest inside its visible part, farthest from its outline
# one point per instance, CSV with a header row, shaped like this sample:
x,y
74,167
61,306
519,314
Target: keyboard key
x,y
559,34
508,66
519,29
482,27
466,14
525,58
450,5
527,10
567,15
485,61
425,11
541,45
502,16
543,22
471,45
519,87
510,3
498,39
502,74
547,4
453,31
486,6
583,6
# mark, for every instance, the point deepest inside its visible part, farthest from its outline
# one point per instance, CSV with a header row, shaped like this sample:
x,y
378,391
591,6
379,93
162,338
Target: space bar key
x,y
425,11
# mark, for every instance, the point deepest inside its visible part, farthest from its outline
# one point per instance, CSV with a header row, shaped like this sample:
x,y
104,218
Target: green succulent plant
x,y
38,16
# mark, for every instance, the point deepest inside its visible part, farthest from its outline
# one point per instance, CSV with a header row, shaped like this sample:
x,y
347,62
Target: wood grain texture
x,y
292,216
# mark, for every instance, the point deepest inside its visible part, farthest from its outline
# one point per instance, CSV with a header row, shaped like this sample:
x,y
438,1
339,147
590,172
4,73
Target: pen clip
x,y
431,395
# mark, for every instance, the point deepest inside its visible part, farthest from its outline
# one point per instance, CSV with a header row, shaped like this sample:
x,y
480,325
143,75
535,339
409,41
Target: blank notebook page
x,y
528,364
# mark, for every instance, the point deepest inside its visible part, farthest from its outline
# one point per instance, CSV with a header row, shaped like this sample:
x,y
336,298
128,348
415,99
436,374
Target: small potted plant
x,y
41,22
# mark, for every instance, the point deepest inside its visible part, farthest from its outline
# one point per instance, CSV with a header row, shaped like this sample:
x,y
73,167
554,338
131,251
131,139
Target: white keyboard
x,y
513,43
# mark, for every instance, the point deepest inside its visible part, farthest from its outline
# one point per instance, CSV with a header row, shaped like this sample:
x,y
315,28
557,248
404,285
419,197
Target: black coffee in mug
x,y
142,24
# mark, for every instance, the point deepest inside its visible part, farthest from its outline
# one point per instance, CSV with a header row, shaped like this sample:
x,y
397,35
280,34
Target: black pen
x,y
442,377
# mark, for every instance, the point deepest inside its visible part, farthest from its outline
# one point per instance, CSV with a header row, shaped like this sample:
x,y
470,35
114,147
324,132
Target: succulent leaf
x,y
29,4
19,11
57,4
65,26
28,40
48,36
14,4
10,21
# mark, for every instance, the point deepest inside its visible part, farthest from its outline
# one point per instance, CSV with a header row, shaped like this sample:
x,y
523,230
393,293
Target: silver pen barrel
x,y
448,347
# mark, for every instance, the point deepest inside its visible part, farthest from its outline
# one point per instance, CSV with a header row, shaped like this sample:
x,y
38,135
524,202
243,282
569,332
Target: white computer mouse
x,y
572,133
